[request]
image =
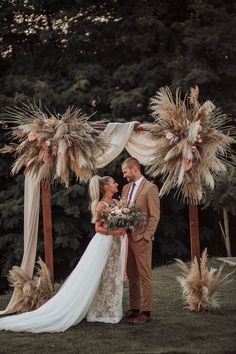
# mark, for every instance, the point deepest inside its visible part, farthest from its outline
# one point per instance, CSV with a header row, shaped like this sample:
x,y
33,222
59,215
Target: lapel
x,y
139,189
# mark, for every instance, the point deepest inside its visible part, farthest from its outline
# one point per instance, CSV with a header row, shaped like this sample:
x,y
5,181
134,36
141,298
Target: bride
x,y
94,289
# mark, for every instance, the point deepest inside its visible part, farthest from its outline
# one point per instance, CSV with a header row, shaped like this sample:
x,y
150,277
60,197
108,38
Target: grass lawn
x,y
173,329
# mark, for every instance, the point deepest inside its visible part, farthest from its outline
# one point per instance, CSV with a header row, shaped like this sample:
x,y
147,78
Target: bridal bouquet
x,y
121,215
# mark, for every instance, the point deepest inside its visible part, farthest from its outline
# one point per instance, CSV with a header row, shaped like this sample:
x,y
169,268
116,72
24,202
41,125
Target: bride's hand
x,y
119,232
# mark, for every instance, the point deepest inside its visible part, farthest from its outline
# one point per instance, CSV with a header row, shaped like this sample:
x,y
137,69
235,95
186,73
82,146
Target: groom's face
x,y
128,173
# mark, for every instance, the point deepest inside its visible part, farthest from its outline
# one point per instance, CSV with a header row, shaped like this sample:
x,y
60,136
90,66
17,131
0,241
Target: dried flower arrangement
x,y
32,293
201,286
192,143
49,146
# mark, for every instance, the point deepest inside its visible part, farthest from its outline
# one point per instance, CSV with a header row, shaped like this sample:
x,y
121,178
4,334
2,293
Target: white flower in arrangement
x,y
116,211
48,143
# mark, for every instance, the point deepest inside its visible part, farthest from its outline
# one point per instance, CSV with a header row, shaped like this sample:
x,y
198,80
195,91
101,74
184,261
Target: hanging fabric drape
x,y
121,136
118,134
31,220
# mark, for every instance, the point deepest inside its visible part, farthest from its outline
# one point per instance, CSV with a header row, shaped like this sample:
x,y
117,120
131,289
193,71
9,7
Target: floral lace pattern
x,y
107,303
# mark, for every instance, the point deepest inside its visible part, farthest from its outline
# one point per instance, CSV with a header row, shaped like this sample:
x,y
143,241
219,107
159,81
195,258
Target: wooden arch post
x,y
194,231
193,219
47,227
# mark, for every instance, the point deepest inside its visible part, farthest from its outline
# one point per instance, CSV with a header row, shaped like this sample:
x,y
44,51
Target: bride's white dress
x,y
94,290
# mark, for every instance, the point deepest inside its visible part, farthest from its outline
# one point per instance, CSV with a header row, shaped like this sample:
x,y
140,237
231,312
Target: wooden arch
x,y
47,220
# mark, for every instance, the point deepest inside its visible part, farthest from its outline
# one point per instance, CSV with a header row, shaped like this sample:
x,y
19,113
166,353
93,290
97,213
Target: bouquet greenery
x,y
121,215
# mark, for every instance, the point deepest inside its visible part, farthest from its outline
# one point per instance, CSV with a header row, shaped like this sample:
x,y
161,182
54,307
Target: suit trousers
x,y
139,271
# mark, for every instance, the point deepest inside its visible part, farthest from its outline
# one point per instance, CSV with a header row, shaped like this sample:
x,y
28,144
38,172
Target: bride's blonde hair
x,y
96,186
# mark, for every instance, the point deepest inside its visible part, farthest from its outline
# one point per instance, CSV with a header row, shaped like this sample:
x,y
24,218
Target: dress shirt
x,y
137,184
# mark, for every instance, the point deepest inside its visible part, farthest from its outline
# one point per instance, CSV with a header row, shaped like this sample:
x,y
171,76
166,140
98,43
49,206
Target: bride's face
x,y
112,186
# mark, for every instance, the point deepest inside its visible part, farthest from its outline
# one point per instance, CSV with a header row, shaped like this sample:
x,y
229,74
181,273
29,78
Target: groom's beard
x,y
129,179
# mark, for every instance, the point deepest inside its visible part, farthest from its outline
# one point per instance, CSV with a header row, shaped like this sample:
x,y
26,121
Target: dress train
x,y
94,288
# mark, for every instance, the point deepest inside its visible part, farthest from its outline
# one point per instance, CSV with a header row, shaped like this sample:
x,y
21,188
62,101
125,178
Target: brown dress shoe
x,y
140,319
131,314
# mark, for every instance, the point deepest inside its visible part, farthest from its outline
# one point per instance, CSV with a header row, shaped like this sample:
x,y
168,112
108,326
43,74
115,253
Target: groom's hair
x,y
130,162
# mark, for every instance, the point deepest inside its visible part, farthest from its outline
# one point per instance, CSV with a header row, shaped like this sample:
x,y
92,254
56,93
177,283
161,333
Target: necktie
x,y
130,193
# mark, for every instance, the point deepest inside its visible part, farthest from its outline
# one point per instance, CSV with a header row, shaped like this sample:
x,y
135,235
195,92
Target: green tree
x,y
223,200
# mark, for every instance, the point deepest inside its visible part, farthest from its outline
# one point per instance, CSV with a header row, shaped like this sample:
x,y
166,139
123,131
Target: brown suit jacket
x,y
147,200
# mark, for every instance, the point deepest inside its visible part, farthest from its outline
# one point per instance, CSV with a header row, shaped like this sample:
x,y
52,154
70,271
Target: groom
x,y
144,195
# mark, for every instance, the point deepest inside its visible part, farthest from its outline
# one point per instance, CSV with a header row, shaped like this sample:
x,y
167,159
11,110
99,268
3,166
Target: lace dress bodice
x,y
107,303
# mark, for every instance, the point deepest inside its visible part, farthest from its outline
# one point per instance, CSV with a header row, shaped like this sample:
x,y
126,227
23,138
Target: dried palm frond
x,y
30,293
43,283
50,145
201,286
193,144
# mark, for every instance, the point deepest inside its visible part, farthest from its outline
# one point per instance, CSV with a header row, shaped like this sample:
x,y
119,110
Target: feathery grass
x,y
31,292
50,145
201,286
193,143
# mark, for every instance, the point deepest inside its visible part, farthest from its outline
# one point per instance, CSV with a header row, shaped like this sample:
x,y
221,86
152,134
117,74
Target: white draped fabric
x,y
122,136
31,220
118,134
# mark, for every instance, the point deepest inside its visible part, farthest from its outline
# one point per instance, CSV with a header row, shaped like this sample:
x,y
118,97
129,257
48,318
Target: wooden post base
x,y
47,227
194,231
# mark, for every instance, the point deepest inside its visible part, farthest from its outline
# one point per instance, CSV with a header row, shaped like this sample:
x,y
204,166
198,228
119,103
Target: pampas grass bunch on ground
x,y
201,286
32,292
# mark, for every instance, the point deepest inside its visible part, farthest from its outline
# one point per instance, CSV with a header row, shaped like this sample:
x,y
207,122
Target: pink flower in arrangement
x,y
169,135
54,150
50,121
198,139
194,149
188,165
32,135
126,210
48,143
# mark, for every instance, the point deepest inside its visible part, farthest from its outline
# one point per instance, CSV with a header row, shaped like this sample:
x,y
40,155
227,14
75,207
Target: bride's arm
x,y
102,230
99,227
